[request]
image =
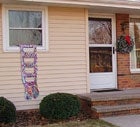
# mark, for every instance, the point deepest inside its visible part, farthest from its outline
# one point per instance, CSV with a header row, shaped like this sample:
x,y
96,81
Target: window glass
x,y
135,34
25,37
25,27
100,31
100,59
25,19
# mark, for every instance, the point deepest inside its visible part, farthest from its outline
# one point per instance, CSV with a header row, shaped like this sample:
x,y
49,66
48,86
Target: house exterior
x,y
76,42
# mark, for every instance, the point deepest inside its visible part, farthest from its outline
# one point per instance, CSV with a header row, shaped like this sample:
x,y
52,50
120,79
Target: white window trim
x,y
5,25
134,70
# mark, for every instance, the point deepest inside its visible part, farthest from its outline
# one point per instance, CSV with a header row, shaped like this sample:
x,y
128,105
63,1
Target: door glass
x,y
100,31
100,59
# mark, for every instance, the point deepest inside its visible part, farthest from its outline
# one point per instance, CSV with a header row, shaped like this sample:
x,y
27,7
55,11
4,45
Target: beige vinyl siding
x,y
63,68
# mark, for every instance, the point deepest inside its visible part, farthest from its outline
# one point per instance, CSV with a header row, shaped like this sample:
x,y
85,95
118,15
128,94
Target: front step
x,y
106,104
105,111
116,101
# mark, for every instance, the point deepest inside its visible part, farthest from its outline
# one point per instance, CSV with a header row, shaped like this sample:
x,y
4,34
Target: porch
x,y
112,103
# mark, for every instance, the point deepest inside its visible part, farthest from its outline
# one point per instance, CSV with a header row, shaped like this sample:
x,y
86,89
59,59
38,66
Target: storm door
x,y
102,53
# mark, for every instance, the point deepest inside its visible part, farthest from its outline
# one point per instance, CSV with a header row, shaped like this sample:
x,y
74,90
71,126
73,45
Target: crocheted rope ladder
x,y
29,70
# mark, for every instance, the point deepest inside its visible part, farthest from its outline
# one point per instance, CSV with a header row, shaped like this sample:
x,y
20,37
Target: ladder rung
x,y
29,55
29,65
28,75
31,83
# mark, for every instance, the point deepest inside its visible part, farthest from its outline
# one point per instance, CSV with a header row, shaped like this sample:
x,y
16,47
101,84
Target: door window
x,y
100,31
100,59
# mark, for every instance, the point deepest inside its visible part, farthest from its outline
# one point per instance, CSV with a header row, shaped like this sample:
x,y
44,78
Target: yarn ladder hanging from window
x,y
29,70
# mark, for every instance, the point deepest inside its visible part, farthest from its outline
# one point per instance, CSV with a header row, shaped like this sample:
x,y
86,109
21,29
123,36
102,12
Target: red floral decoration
x,y
127,39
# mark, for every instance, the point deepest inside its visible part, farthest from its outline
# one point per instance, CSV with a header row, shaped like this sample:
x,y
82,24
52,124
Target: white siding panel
x,y
70,30
66,22
63,68
58,17
69,42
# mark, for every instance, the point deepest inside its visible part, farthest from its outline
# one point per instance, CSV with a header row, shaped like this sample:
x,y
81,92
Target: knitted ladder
x,y
29,63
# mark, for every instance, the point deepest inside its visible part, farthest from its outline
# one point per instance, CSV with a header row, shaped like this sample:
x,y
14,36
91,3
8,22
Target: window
x,y
22,25
135,54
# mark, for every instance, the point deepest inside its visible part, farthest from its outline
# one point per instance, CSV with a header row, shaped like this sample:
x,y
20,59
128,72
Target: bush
x,y
7,111
60,106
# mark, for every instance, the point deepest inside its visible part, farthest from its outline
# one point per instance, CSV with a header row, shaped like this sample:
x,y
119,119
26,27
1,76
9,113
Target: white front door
x,y
102,53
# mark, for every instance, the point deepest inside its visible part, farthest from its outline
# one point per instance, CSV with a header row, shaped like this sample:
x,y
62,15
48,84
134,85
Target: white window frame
x,y
5,25
134,70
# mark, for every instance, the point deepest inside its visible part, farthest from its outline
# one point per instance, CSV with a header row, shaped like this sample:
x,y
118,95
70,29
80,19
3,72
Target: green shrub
x,y
59,106
7,111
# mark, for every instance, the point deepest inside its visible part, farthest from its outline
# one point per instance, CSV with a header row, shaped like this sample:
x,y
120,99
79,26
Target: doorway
x,y
102,55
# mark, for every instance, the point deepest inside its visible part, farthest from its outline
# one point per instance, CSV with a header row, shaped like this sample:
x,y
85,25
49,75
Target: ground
x,y
34,119
84,123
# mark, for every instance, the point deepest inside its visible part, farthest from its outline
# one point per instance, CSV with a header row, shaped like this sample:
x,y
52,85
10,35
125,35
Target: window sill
x,y
16,49
133,71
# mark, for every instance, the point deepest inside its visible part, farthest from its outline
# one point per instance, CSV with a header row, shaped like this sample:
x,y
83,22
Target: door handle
x,y
113,50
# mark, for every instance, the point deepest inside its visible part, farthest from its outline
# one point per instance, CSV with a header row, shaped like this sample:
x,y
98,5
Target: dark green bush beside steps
x,y
7,111
60,106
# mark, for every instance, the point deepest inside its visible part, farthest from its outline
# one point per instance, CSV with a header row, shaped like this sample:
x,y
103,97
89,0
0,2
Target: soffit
x,y
111,6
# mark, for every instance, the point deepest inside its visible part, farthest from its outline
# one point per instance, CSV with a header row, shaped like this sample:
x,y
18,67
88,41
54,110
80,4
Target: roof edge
x,y
132,4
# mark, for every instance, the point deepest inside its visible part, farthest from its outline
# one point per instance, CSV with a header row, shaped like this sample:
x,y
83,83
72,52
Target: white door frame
x,y
114,69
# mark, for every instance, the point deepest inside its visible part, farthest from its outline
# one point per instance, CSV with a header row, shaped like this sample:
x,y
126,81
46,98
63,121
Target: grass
x,y
85,123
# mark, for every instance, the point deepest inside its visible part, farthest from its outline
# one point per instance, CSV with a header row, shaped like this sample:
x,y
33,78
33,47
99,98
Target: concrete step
x,y
115,101
111,103
104,111
112,98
